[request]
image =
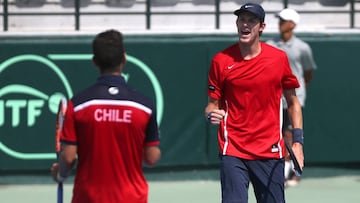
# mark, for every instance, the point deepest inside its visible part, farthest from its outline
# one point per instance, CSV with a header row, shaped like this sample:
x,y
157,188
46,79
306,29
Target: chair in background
x,y
164,2
297,2
71,3
203,2
241,2
119,3
29,3
334,2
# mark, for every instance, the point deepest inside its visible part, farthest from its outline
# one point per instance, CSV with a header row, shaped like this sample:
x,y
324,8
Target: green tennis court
x,y
318,185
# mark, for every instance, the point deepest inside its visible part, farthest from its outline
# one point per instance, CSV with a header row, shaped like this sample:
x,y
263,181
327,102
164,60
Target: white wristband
x,y
59,178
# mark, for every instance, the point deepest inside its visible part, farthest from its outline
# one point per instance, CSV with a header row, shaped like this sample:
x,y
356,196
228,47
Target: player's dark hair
x,y
108,50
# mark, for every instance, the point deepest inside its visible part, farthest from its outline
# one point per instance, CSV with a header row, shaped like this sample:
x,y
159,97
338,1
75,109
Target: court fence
x,y
145,15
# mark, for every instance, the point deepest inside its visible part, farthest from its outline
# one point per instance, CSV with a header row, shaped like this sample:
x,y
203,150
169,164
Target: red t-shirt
x,y
110,124
250,93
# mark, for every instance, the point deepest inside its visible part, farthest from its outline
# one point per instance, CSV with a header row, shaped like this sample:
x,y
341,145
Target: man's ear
x,y
124,58
262,27
94,61
293,25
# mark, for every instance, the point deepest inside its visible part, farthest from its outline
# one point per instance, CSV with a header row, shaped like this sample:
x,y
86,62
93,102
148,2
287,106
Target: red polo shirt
x,y
250,93
110,124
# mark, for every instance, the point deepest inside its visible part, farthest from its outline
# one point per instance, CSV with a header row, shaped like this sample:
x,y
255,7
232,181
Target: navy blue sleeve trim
x,y
68,142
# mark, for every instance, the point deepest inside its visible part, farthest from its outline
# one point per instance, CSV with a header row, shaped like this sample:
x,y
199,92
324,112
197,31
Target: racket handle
x,y
298,173
297,168
60,193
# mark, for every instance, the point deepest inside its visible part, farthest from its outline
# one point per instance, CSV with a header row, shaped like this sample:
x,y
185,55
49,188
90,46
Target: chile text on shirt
x,y
113,115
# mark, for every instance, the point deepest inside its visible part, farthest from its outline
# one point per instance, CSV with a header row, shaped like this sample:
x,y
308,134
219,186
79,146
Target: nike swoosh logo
x,y
230,67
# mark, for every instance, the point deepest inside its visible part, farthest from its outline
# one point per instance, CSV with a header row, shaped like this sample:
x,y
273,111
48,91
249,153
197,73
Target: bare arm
x,y
152,155
308,75
295,114
294,108
65,163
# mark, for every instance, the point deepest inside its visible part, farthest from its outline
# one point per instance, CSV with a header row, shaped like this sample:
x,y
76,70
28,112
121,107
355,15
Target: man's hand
x,y
54,171
215,116
298,151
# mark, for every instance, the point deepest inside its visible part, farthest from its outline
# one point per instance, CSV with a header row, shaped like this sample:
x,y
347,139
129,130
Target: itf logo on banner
x,y
31,87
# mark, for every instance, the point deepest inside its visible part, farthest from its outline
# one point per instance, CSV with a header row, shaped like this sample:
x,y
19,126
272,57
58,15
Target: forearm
x,y
152,155
308,75
295,115
67,159
65,167
211,106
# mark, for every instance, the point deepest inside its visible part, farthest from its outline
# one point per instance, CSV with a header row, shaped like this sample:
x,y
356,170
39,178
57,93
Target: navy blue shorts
x,y
266,177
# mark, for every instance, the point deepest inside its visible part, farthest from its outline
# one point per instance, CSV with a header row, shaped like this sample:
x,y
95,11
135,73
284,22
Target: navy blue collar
x,y
111,80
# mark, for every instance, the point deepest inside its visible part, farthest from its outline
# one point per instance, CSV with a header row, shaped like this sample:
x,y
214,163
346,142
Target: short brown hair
x,y
108,49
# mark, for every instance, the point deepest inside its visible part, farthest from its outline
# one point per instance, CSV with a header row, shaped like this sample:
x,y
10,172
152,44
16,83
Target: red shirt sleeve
x,y
68,134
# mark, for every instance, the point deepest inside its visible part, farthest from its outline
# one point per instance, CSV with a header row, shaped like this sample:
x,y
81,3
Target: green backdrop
x,y
172,70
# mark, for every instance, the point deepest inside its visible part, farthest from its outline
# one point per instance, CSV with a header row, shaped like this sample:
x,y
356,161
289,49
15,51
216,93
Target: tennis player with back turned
x,y
110,130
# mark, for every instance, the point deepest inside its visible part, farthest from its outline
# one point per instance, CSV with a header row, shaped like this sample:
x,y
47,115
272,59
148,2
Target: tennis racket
x,y
297,168
59,124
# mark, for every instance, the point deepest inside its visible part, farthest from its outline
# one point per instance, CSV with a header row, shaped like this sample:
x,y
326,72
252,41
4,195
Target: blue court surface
x,y
318,185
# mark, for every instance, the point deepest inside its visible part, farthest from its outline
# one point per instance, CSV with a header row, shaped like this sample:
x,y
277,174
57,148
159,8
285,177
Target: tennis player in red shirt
x,y
245,84
110,130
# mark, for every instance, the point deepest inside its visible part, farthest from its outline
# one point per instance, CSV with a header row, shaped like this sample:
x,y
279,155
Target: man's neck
x,y
250,51
286,36
111,73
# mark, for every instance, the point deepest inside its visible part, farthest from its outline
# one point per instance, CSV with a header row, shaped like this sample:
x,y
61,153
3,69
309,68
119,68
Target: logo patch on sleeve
x,y
211,88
